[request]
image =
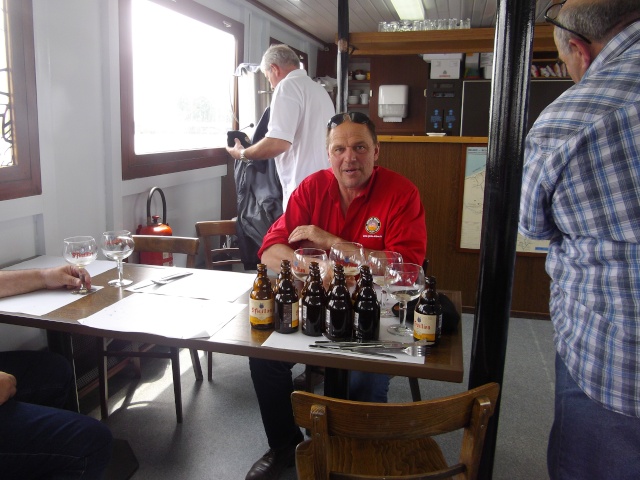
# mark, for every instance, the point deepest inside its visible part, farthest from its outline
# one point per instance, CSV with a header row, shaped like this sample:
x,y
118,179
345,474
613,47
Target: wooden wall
x,y
437,170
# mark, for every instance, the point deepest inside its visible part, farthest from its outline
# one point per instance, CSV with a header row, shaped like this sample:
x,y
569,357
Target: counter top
x,y
426,139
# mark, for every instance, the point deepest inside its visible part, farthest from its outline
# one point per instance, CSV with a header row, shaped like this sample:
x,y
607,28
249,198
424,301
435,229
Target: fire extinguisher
x,y
153,227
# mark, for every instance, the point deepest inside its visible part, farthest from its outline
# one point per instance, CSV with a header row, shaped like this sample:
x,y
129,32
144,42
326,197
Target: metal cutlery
x,y
164,280
414,349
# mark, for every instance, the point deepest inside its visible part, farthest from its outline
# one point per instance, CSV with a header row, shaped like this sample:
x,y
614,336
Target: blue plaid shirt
x,y
581,190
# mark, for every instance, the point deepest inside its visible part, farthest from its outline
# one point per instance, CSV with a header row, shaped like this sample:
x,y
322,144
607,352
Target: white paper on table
x,y
39,302
300,342
172,317
206,284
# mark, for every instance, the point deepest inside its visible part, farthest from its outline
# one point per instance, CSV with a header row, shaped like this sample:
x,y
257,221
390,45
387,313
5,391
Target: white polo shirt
x,y
300,110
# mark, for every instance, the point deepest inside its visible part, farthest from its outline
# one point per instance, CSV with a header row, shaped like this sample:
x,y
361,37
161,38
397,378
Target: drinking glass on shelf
x,y
378,261
117,245
348,254
404,282
80,251
302,259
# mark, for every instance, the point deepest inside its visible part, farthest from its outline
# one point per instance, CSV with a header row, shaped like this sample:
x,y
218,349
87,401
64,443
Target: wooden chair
x,y
153,243
217,256
213,233
358,440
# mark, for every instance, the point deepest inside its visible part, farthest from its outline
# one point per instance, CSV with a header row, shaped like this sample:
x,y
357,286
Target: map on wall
x,y
472,204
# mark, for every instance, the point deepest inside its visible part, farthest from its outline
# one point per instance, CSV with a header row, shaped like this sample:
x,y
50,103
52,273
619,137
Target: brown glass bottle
x,y
427,319
366,309
339,312
314,301
286,301
261,301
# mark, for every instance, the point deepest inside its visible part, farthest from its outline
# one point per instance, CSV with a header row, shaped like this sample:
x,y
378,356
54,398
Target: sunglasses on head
x,y
355,117
551,14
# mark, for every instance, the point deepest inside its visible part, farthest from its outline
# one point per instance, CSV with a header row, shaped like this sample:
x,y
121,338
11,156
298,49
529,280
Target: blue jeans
x,y
273,383
37,438
588,441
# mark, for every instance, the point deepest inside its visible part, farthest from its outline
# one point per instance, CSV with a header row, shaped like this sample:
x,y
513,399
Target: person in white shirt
x,y
300,109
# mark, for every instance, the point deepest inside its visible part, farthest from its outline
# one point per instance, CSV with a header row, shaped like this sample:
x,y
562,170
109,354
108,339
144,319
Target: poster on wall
x,y
472,204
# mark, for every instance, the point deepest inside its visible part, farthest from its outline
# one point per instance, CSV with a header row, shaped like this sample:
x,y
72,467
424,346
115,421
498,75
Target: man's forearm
x,y
266,148
273,255
15,282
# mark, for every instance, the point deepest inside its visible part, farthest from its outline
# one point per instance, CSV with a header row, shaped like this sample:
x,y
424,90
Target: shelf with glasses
x,y
439,41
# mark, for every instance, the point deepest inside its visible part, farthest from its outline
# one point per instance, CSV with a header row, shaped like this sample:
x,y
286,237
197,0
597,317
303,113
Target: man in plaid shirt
x,y
581,190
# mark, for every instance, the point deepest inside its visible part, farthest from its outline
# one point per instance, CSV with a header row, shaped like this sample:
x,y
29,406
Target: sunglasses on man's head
x,y
355,117
551,14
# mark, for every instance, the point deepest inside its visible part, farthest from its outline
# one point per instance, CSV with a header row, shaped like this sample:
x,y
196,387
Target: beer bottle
x,y
261,304
362,268
286,301
427,320
314,301
366,309
338,314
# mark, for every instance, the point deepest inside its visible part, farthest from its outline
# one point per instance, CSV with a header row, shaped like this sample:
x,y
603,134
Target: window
x,y
178,92
19,147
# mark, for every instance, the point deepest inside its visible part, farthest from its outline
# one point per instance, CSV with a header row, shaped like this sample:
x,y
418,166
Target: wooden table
x,y
238,338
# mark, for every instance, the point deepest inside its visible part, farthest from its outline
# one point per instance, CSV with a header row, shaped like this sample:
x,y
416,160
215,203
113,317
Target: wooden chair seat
x,y
358,440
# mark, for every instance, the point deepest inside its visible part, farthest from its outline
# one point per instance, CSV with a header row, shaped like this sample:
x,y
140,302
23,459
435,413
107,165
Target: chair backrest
x,y
357,440
213,233
169,244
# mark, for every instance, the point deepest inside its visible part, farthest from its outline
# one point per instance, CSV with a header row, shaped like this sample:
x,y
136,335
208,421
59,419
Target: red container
x,y
153,227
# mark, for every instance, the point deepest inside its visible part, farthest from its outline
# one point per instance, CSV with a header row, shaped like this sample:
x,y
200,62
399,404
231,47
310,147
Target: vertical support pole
x,y
343,55
503,177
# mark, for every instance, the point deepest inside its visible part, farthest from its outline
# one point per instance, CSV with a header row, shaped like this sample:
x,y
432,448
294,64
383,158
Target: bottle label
x,y
425,327
261,311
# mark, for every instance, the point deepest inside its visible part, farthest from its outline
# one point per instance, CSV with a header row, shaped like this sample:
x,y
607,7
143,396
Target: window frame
x,y
23,179
145,165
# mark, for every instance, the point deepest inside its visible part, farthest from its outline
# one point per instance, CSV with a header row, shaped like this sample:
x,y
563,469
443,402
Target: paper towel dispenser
x,y
393,102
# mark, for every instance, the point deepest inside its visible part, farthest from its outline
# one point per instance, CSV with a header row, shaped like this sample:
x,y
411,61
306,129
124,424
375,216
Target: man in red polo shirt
x,y
352,201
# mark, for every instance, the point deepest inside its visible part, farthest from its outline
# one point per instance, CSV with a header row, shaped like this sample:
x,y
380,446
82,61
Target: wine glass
x,y
404,282
350,255
378,261
117,245
80,251
303,257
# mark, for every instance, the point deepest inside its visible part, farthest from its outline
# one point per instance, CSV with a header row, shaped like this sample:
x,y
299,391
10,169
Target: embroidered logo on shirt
x,y
372,225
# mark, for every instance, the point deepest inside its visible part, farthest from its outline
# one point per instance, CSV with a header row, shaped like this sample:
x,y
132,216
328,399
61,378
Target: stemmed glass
x,y
117,245
303,257
80,251
378,261
404,282
348,254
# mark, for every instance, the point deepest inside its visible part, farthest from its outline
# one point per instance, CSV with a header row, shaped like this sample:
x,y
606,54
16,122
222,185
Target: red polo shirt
x,y
387,215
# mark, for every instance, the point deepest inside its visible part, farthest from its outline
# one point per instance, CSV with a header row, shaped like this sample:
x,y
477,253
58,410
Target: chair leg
x,y
415,389
209,366
177,388
103,388
197,368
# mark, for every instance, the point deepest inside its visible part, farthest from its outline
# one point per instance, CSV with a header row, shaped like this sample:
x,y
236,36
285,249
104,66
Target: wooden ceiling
x,y
319,18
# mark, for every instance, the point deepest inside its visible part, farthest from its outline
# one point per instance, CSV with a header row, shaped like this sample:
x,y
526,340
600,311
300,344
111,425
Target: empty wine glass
x,y
303,257
404,282
80,251
350,255
117,245
378,261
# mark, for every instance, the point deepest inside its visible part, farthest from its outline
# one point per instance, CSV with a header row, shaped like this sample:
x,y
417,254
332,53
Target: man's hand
x,y
7,387
313,237
66,276
236,149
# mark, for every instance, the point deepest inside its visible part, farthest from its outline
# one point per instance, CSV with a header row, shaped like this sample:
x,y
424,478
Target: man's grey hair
x,y
281,55
596,19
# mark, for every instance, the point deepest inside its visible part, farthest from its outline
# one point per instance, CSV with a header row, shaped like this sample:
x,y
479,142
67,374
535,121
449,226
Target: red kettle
x,y
153,227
